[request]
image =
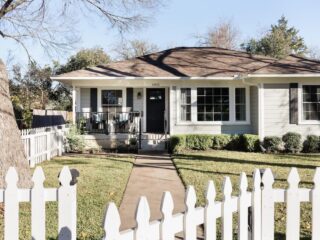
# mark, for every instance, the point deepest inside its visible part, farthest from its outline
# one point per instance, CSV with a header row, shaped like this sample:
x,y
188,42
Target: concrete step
x,y
154,136
153,145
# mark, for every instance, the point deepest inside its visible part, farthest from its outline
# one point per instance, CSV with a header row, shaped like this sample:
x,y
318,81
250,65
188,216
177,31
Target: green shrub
x,y
199,141
272,144
75,141
235,143
292,142
220,141
177,143
250,143
311,144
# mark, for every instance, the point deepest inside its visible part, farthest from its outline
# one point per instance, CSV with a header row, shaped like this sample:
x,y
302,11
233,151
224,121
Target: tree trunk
x,y
11,147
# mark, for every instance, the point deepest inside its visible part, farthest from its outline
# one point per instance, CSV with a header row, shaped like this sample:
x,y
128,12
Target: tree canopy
x,y
279,42
134,48
84,58
224,35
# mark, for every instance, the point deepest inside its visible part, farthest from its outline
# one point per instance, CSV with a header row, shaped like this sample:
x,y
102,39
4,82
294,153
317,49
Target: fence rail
x,y
261,201
42,144
65,195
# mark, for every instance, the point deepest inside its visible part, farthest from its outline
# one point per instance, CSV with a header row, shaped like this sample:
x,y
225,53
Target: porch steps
x,y
153,142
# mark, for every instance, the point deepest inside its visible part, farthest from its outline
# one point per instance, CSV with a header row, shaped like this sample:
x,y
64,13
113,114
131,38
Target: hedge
x,y
311,144
221,141
272,144
250,143
198,141
292,142
177,143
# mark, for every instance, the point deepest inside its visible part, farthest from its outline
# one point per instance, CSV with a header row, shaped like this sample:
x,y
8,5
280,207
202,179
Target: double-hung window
x,y
311,102
240,104
185,104
213,104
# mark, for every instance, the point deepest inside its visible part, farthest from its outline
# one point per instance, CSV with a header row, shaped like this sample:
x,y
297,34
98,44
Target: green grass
x,y
197,168
102,179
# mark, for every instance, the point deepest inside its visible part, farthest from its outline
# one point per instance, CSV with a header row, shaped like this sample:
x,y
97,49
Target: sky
x,y
179,21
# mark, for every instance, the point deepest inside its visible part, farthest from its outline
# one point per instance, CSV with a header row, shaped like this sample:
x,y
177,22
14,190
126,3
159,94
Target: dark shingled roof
x,y
199,62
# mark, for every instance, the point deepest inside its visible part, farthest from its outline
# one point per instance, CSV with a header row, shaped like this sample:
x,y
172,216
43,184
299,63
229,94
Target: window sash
x,y
240,104
185,104
311,102
111,98
213,104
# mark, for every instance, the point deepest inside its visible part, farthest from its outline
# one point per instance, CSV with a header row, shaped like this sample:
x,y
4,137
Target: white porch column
x,y
261,111
74,95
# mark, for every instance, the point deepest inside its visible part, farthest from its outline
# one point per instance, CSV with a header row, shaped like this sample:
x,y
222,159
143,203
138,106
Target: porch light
x,y
139,95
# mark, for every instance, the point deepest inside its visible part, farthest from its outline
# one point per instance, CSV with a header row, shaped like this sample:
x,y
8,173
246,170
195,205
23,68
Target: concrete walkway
x,y
152,174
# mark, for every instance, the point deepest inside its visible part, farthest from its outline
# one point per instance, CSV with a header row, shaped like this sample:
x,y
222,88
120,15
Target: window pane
x,y
111,97
213,100
185,107
311,102
240,104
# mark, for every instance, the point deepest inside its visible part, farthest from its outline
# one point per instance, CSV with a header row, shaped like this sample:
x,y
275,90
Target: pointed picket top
x,y
210,193
65,176
293,178
267,178
256,179
167,205
191,197
143,211
38,177
227,187
316,178
112,222
243,183
11,177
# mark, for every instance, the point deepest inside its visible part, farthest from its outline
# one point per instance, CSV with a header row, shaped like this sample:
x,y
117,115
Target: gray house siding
x,y
276,113
212,129
85,99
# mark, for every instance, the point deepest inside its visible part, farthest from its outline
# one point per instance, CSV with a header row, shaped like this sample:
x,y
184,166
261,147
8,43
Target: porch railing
x,y
108,122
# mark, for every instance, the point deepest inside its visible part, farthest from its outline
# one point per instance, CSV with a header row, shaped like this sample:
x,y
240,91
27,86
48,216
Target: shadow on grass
x,y
77,161
195,157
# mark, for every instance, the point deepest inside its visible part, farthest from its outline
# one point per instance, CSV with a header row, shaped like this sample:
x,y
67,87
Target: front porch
x,y
112,116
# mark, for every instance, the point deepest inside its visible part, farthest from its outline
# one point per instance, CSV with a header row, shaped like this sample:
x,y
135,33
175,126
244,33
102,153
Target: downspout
x,y
260,87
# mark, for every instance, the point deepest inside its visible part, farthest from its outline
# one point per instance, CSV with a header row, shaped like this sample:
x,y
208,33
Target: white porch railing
x,y
261,200
42,144
65,195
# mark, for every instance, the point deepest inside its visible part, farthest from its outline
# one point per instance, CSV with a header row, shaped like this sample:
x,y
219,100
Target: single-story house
x,y
197,90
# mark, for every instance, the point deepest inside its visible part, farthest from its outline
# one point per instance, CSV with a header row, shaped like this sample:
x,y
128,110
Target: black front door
x,y
155,110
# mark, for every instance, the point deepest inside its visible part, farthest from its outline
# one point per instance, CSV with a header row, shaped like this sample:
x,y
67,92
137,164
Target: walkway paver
x,y
152,174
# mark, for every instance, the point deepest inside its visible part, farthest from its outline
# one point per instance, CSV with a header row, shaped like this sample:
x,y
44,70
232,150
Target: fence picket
x,y
11,206
67,206
111,223
227,226
190,228
256,206
210,213
167,223
142,217
293,206
243,208
267,206
38,224
315,199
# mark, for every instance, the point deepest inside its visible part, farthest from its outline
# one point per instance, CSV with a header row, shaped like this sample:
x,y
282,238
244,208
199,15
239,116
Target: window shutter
x,y
130,98
94,99
293,104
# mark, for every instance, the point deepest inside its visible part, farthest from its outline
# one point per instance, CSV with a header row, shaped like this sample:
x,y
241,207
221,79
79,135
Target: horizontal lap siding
x,y
276,113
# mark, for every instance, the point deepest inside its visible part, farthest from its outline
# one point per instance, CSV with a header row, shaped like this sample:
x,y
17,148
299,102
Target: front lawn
x,y
102,179
197,168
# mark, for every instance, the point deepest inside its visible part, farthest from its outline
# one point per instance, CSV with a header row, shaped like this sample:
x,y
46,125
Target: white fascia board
x,y
283,75
144,78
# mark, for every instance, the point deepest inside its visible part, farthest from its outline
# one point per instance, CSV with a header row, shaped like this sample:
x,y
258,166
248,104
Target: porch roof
x,y
192,62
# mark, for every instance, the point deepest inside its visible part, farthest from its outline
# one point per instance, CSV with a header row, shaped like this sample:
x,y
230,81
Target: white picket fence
x,y
65,195
42,144
261,199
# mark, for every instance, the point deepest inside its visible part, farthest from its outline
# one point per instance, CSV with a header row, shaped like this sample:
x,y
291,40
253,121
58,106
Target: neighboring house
x,y
199,90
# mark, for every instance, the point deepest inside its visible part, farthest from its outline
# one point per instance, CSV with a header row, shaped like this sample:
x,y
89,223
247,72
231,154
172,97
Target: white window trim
x,y
232,107
300,106
124,97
